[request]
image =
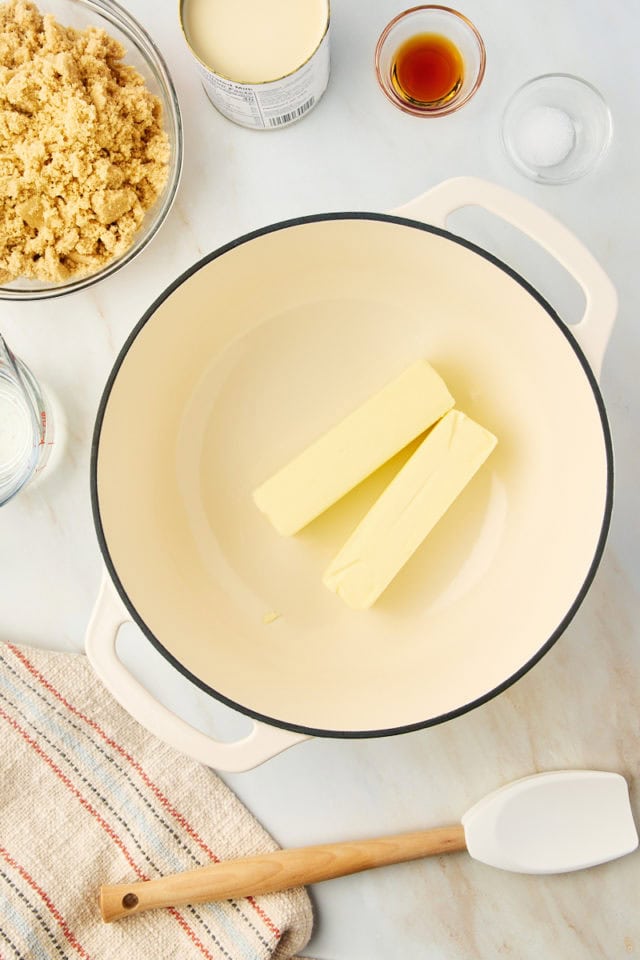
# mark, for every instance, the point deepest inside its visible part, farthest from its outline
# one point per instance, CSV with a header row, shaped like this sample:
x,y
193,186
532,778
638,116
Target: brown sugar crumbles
x,y
83,153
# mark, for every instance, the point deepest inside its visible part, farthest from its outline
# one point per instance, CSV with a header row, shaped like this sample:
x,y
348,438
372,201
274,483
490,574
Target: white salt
x,y
545,136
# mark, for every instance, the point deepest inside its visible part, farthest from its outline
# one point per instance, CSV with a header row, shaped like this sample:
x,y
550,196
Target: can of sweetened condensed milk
x,y
264,63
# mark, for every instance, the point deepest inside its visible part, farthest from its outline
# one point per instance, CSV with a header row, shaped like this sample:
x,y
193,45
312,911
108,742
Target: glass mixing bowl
x,y
141,53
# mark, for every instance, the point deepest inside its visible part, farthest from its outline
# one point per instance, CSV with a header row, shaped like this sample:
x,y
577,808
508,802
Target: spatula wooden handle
x,y
271,872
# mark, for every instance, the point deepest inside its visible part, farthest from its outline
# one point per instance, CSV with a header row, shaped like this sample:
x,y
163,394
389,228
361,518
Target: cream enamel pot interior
x,y
253,353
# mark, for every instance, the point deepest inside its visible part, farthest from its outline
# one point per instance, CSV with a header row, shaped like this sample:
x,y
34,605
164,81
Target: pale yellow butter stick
x,y
354,448
408,509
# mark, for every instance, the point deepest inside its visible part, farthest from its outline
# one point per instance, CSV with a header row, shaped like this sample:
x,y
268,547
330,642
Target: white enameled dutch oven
x,y
252,354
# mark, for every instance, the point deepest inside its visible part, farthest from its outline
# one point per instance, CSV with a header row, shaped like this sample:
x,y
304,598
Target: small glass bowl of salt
x,y
556,128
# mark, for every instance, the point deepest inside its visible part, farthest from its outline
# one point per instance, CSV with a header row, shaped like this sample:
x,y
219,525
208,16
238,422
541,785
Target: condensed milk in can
x,y
264,63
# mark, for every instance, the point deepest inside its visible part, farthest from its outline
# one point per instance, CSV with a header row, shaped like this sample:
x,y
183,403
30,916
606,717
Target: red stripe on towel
x,y
268,922
74,790
103,823
192,936
69,934
166,803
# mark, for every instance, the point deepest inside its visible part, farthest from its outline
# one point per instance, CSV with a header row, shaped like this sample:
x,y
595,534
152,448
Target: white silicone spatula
x,y
546,823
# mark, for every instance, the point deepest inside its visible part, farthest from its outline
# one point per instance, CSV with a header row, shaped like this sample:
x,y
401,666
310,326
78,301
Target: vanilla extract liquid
x,y
427,70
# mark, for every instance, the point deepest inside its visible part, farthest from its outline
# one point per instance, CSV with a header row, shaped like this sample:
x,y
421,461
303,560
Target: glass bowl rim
x,y
531,172
455,104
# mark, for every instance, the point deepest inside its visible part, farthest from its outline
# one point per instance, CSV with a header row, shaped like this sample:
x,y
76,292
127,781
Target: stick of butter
x,y
349,452
408,509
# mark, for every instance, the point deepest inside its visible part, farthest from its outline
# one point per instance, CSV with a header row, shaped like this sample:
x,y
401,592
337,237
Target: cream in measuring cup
x,y
26,425
264,63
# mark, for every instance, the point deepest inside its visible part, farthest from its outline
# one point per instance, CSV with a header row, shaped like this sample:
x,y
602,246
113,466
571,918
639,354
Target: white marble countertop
x,y
579,706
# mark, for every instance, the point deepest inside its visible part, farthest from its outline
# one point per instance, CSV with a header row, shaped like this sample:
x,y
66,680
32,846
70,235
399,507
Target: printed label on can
x,y
267,106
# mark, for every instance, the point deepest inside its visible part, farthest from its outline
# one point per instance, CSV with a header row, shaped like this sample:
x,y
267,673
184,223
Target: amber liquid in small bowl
x,y
427,70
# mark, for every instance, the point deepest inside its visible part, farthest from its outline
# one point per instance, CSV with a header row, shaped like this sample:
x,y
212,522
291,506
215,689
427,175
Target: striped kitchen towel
x,y
87,796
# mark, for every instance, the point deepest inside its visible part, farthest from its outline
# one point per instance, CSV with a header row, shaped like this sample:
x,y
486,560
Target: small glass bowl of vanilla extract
x,y
430,60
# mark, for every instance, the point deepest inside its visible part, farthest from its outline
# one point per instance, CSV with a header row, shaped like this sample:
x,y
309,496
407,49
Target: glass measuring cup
x,y
26,425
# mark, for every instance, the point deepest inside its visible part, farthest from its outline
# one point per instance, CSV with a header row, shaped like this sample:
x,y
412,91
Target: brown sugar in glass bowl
x,y
88,179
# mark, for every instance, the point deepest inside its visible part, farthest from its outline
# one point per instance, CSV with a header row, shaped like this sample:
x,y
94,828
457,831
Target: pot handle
x,y
593,331
263,743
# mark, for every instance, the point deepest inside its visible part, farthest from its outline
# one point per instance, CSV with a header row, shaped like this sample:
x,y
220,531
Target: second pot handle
x,y
264,741
593,331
